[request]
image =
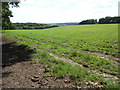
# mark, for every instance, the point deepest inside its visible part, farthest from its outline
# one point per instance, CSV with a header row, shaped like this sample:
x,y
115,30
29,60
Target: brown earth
x,y
17,72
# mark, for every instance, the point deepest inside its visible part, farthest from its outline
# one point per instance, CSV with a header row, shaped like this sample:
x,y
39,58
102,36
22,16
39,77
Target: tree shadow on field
x,y
13,53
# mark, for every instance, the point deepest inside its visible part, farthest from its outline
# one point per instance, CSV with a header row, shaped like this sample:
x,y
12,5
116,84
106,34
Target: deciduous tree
x,y
6,14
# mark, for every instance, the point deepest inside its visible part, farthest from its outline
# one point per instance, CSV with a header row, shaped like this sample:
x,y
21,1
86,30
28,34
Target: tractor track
x,y
72,62
69,60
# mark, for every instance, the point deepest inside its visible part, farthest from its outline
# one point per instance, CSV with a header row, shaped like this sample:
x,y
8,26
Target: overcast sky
x,y
58,11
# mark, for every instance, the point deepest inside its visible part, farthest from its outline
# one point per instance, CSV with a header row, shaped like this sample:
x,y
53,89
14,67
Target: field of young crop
x,y
81,52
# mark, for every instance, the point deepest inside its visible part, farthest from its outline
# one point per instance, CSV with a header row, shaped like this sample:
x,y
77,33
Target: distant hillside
x,y
65,24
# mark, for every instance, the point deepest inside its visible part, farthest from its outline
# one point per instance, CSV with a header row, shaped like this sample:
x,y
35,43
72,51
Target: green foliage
x,y
90,21
33,26
76,39
106,20
48,65
112,85
6,14
74,42
60,70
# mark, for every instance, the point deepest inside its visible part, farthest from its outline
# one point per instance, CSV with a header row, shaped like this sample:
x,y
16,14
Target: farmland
x,y
81,52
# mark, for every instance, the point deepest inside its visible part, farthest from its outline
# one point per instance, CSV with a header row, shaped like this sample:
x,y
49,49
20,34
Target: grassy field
x,y
83,44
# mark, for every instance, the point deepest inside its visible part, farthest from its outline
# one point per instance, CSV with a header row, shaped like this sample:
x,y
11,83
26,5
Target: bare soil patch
x,y
17,72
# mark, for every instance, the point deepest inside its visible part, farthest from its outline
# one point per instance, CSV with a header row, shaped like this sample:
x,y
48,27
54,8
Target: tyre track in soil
x,y
75,63
23,74
69,60
72,62
100,55
108,57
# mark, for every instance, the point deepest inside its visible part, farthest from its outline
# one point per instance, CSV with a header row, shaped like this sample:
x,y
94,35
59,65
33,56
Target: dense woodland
x,y
109,20
106,20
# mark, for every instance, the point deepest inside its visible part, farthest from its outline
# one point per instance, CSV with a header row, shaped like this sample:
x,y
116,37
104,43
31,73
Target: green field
x,y
77,43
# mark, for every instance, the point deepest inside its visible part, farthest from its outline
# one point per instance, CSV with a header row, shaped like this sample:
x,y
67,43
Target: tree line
x,y
32,26
106,20
7,24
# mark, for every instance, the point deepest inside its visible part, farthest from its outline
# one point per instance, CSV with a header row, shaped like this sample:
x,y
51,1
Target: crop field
x,y
83,53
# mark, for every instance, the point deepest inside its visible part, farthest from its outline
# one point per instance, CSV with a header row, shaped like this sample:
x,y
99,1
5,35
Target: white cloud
x,y
49,11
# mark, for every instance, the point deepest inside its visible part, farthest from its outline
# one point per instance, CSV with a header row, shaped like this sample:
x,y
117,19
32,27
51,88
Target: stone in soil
x,y
67,81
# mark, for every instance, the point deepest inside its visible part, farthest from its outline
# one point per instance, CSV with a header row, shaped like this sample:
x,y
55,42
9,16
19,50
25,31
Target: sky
x,y
60,11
